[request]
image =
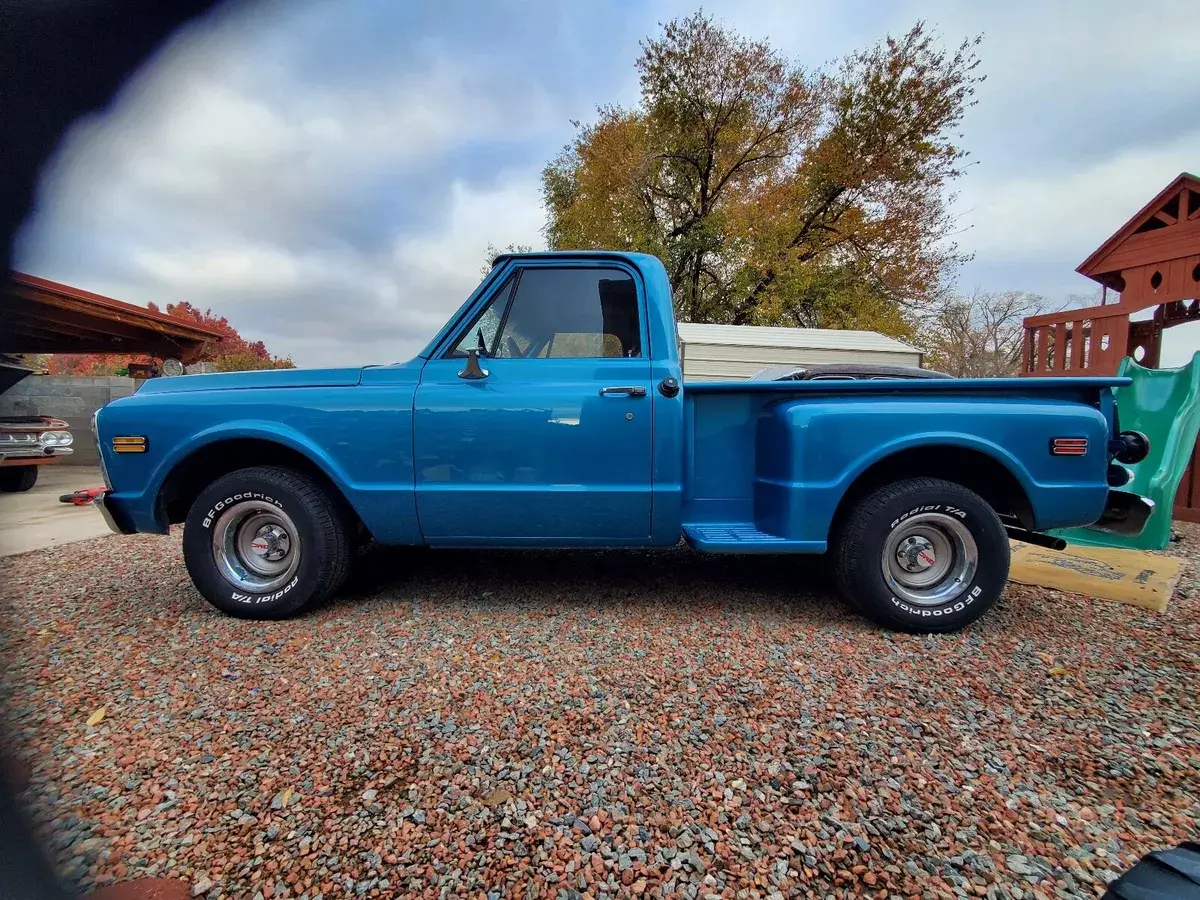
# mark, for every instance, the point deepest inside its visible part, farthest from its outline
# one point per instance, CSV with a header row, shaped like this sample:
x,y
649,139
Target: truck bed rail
x,y
899,385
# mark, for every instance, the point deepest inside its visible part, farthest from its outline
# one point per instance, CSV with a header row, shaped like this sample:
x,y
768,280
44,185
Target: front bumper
x,y
112,519
32,456
1125,513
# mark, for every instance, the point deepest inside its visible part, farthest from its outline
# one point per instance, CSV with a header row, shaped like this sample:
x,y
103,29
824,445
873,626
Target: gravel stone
x,y
1019,865
544,725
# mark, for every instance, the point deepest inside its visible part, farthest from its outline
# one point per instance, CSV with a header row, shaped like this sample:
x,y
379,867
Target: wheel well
x,y
974,470
204,466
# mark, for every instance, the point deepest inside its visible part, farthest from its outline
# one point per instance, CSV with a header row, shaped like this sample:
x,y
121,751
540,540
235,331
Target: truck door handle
x,y
629,391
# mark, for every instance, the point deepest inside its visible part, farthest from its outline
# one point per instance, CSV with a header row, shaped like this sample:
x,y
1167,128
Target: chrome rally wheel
x,y
930,559
256,546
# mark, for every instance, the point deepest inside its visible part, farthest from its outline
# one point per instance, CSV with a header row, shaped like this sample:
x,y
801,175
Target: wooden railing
x,y
1093,342
1075,342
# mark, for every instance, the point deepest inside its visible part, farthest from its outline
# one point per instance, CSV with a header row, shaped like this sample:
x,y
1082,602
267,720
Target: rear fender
x,y
809,454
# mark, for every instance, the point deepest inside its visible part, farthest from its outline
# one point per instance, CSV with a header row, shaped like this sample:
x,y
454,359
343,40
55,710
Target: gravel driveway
x,y
541,725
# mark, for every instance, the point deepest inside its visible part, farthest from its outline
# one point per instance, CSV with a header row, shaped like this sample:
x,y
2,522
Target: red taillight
x,y
1068,446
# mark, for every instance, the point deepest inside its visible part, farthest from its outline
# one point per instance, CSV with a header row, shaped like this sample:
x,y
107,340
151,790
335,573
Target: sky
x,y
329,173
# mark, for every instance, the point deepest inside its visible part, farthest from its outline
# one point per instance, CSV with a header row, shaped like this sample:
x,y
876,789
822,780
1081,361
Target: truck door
x,y
545,438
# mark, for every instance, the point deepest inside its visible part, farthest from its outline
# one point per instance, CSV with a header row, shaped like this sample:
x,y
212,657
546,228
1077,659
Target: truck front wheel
x,y
922,555
265,542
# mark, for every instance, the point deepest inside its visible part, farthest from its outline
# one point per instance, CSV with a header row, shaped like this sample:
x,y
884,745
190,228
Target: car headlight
x,y
65,439
49,438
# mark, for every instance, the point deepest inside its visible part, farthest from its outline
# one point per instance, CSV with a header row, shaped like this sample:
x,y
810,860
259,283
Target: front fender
x,y
360,437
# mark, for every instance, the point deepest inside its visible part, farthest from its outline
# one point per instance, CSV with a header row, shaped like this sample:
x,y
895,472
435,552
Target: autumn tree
x,y
233,353
776,195
978,336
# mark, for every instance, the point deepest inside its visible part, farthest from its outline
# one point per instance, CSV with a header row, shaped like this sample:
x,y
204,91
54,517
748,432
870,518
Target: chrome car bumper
x,y
109,519
1125,513
36,452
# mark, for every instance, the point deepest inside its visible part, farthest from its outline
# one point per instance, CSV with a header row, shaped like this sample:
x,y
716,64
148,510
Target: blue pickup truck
x,y
550,412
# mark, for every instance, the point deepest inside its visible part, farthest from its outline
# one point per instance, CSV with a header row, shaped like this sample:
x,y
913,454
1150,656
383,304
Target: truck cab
x,y
550,411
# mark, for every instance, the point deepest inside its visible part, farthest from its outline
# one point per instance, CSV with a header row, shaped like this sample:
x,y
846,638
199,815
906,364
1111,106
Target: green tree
x,y
775,195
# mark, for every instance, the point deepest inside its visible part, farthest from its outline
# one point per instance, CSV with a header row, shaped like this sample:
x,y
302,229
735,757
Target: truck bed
x,y
813,440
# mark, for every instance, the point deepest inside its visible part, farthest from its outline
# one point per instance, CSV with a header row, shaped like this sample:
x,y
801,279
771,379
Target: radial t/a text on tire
x,y
265,542
922,555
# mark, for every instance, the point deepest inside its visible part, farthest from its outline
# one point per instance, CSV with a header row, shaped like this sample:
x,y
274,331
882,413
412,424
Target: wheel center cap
x,y
271,543
915,554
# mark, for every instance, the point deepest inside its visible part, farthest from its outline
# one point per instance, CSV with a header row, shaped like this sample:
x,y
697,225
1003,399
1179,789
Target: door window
x,y
560,314
481,335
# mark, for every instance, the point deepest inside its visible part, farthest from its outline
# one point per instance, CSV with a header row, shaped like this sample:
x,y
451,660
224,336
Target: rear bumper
x,y
1125,513
112,517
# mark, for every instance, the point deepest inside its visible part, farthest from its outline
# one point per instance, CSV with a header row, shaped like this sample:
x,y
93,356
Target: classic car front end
x,y
26,443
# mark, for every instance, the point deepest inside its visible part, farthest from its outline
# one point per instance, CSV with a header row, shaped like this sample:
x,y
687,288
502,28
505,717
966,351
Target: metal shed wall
x,y
735,352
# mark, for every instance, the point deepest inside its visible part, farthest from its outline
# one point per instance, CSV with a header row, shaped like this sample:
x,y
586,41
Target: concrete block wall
x,y
74,398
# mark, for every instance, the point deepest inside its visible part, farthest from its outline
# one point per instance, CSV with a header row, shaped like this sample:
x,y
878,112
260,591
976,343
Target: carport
x,y
42,316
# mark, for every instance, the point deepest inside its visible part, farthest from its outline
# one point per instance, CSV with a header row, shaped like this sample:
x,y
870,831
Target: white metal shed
x,y
735,352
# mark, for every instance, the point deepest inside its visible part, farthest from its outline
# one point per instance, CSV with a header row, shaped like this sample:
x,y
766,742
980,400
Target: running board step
x,y
743,537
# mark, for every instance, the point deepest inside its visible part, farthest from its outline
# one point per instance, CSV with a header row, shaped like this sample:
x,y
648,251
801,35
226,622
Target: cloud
x,y
223,178
338,305
456,252
328,174
1065,216
203,151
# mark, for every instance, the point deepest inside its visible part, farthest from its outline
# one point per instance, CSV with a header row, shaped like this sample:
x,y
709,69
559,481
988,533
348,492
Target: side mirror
x,y
472,371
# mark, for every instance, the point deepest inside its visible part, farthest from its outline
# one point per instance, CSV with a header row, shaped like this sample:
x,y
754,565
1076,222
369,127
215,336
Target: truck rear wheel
x,y
265,542
922,555
17,479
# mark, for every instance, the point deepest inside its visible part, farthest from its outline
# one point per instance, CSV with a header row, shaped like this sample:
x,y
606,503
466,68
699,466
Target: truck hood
x,y
266,378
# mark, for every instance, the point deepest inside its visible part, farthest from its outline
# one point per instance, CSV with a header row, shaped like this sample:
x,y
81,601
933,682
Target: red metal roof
x,y
43,316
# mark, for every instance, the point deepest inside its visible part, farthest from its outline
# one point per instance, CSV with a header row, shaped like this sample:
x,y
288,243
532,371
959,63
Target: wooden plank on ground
x,y
1136,577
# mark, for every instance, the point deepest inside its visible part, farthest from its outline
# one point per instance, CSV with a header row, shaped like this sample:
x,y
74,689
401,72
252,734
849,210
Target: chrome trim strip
x,y
38,452
100,449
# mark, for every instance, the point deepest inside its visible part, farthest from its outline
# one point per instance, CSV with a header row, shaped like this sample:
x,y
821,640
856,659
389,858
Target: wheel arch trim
x,y
940,440
933,442
278,434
